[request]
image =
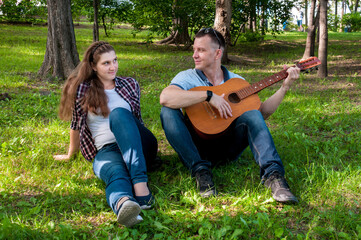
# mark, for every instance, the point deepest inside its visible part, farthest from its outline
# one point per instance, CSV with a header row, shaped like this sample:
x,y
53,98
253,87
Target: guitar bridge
x,y
209,109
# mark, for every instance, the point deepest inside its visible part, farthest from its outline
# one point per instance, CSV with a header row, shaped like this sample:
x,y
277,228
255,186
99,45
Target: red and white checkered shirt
x,y
128,88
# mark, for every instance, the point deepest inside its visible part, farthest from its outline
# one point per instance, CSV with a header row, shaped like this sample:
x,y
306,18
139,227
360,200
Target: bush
x,y
333,22
353,21
249,36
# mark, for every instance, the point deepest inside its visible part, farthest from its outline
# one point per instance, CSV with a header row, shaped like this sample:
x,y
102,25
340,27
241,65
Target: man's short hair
x,y
216,36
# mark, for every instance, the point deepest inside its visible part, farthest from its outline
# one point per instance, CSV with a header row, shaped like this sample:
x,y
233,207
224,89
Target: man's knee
x,y
251,118
172,120
168,115
253,115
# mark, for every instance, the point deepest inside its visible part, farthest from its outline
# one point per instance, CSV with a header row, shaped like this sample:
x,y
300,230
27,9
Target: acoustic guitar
x,y
240,95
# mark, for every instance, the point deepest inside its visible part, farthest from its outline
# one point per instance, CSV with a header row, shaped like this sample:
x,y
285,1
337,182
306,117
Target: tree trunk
x,y
311,32
318,25
251,19
250,23
242,29
306,11
342,13
179,34
255,21
61,55
322,48
263,19
336,17
356,6
96,26
104,26
222,23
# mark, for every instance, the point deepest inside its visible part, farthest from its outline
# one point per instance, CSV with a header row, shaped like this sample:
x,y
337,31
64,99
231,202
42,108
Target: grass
x,y
317,130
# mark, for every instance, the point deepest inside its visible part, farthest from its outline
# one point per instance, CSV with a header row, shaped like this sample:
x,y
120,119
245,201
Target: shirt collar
x,y
205,79
117,82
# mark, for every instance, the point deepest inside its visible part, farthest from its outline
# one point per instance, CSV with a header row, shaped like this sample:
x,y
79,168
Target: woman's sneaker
x,y
145,202
128,214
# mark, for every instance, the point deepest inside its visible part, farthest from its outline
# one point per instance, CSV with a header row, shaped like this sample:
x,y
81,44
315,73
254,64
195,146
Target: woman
x,y
106,125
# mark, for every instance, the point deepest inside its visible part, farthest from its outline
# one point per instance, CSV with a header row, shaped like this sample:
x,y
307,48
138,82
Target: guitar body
x,y
207,120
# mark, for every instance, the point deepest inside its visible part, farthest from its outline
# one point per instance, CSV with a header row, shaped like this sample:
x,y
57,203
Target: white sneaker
x,y
128,214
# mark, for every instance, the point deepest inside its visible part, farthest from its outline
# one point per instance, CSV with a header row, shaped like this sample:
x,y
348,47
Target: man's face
x,y
205,53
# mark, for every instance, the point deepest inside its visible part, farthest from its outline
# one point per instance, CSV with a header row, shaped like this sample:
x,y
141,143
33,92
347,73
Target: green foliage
x,y
273,12
111,11
81,8
333,22
23,11
353,21
251,37
317,130
159,16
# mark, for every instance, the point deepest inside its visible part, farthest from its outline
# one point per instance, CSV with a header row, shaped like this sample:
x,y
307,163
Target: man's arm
x,y
175,97
73,146
271,104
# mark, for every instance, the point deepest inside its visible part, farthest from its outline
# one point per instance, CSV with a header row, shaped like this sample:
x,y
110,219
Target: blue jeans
x,y
123,163
197,153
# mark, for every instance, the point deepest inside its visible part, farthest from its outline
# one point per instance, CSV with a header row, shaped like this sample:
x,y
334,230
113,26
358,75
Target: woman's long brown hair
x,y
95,99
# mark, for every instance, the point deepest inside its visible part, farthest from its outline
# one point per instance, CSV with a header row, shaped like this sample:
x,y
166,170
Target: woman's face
x,y
106,67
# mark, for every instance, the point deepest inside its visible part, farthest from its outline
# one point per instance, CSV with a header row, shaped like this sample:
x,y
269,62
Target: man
x,y
299,20
199,154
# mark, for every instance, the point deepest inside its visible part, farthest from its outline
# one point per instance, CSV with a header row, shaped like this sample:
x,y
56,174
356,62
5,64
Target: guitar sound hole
x,y
233,98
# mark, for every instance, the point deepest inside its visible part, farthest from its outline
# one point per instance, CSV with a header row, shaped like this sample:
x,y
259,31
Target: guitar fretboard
x,y
258,86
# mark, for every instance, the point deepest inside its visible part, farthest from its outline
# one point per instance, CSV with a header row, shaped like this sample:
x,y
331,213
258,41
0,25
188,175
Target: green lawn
x,y
317,131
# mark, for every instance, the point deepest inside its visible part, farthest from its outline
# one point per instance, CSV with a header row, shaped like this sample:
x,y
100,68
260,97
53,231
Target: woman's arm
x,y
73,146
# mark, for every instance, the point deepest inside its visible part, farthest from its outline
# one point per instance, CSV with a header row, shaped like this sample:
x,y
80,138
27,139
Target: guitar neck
x,y
258,86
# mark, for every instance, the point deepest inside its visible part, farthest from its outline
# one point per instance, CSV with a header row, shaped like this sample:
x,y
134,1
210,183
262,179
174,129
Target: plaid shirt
x,y
128,88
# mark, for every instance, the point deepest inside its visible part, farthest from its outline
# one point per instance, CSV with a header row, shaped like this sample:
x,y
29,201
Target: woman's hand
x,y
61,157
73,147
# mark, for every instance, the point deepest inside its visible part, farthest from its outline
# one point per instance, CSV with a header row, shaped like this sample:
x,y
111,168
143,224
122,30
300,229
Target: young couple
x,y
107,127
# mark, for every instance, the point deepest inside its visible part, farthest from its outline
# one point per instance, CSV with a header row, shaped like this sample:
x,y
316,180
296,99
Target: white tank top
x,y
99,125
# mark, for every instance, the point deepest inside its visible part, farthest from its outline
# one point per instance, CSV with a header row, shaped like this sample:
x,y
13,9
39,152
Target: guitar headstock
x,y
308,64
